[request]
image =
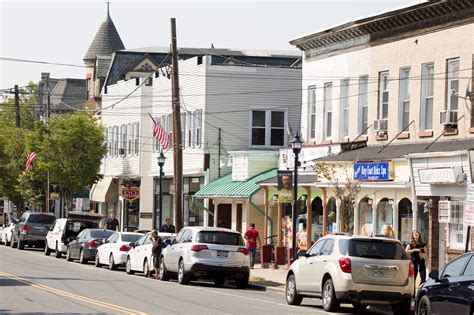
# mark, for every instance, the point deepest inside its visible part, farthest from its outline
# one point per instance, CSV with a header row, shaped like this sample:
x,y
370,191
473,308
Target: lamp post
x,y
296,144
161,163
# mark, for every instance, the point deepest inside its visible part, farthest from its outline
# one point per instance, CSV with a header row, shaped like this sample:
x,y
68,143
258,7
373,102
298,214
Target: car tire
x,y
359,307
402,307
82,260
330,302
21,245
219,281
68,255
112,265
47,251
96,261
183,276
242,283
128,266
292,296
146,269
164,273
57,253
424,306
7,243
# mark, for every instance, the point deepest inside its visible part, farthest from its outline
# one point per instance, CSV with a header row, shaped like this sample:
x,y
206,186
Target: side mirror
x,y
175,241
167,242
434,275
132,245
104,240
301,253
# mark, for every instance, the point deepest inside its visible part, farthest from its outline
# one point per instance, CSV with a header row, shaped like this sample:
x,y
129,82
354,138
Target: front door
x,y
224,217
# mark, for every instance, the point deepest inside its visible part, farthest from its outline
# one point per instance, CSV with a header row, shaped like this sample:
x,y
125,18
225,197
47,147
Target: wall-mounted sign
x,y
373,171
146,215
54,196
442,175
130,193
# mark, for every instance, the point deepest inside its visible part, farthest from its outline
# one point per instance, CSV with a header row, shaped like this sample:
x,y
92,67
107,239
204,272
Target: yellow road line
x,y
73,296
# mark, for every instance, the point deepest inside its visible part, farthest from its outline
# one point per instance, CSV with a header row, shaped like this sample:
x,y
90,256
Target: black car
x,y
31,229
450,291
84,246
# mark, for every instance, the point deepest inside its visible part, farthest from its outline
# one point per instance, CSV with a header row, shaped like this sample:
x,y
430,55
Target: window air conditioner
x,y
381,125
448,117
121,151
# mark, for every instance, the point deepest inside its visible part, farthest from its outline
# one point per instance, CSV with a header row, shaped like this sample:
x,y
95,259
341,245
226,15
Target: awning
x,y
104,190
225,187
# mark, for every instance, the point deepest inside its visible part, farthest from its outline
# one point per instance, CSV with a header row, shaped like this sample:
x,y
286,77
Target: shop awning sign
x,y
130,193
373,171
441,175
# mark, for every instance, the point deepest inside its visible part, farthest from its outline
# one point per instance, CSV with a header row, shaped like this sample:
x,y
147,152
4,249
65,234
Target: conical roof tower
x,y
106,41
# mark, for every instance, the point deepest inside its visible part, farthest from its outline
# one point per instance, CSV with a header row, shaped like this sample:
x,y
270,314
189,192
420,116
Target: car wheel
x,y
21,245
183,276
12,242
219,281
330,302
68,255
112,265
128,266
359,307
164,274
7,243
146,269
96,260
424,306
292,296
242,283
402,307
57,253
47,251
82,260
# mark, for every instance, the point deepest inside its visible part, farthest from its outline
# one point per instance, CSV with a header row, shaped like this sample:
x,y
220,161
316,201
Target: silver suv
x,y
206,252
359,270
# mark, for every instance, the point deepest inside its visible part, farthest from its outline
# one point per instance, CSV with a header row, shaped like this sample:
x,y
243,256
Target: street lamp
x,y
296,144
161,163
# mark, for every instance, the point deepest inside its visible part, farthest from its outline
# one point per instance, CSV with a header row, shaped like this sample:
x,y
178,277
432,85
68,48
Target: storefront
x,y
131,208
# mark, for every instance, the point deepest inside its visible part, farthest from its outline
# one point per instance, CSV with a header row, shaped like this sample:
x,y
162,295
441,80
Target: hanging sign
x,y
285,188
373,171
131,193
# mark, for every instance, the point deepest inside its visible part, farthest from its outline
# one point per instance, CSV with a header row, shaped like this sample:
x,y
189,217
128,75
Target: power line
x,y
41,62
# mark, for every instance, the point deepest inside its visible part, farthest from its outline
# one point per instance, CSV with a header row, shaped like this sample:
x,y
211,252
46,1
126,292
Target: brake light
x,y
63,237
24,228
411,270
198,248
345,264
124,248
93,243
244,251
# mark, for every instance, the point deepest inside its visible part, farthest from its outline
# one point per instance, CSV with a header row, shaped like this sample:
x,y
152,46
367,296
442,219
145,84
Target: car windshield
x,y
41,219
377,249
130,237
223,238
101,233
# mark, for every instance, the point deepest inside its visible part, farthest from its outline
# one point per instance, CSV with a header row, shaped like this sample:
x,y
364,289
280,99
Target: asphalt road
x,y
33,283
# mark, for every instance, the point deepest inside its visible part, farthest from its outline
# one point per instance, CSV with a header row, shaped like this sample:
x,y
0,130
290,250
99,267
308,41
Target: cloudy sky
x,y
61,31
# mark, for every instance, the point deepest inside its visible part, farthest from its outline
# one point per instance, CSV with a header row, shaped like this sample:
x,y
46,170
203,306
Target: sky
x,y
61,31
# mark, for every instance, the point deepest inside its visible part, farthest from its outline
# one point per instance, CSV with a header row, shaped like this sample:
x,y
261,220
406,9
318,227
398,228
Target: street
x,y
33,283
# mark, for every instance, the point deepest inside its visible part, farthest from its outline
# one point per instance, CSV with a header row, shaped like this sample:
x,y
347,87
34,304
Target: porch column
x,y
234,215
245,216
279,223
205,213
265,222
325,212
338,215
309,218
216,212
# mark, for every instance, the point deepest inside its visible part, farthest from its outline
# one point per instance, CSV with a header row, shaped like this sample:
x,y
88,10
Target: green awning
x,y
225,187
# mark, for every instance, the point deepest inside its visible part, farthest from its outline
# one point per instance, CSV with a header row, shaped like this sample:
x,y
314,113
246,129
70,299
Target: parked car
x,y
84,246
31,229
114,251
450,291
65,230
139,257
7,232
359,270
206,252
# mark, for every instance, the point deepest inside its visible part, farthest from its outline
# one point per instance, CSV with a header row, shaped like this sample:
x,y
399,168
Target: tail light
x,y
63,237
411,270
24,228
345,264
93,243
244,251
124,248
198,248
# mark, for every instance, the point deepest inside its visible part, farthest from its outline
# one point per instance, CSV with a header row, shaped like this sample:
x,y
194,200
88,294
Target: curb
x,y
262,287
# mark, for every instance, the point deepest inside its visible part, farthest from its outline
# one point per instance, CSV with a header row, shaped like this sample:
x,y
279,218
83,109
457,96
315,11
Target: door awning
x,y
104,190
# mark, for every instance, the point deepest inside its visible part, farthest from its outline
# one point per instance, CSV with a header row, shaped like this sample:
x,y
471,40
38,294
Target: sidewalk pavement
x,y
269,279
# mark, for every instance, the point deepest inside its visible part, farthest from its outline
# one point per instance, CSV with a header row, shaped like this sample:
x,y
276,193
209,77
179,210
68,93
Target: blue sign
x,y
373,171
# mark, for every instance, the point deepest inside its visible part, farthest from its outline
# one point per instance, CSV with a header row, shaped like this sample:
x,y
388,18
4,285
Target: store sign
x,y
146,215
130,193
54,196
306,157
373,171
442,175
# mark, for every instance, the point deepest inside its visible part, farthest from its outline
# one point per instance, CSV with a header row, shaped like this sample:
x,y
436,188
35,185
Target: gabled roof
x,y
72,92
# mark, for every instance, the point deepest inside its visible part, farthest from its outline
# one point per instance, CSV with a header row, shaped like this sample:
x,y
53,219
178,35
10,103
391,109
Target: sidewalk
x,y
269,279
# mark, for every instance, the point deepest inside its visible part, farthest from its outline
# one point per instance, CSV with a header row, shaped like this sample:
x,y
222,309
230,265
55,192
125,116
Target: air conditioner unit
x,y
381,125
450,211
448,117
121,151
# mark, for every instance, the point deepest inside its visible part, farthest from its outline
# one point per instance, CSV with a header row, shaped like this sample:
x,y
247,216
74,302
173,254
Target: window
x,y
469,268
316,249
129,139
363,104
183,129
222,238
383,95
123,145
116,140
169,128
327,249
457,231
327,110
197,121
190,121
453,83
404,99
375,249
455,267
344,109
268,128
88,88
136,137
426,113
312,111
149,81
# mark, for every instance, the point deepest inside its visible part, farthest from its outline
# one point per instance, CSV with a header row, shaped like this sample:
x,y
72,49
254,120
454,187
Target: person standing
x,y
252,237
388,231
156,249
168,227
416,249
112,223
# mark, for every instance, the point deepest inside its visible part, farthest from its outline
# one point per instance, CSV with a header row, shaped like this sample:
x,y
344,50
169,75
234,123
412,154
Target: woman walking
x,y
416,249
157,247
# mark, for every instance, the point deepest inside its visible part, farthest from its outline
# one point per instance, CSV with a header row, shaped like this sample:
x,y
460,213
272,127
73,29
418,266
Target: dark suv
x,y
31,229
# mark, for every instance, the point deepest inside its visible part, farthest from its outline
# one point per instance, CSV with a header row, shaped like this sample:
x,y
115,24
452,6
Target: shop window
x,y
384,215
131,215
317,211
405,221
365,217
331,213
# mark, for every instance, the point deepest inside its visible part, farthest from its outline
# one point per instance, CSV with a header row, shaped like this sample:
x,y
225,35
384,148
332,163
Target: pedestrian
x,y
252,237
112,223
416,249
156,249
388,231
168,227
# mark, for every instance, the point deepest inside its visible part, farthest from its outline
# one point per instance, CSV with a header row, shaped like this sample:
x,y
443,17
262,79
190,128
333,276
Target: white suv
x,y
360,270
206,252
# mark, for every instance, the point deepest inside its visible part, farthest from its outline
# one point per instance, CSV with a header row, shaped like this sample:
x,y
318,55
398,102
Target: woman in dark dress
x,y
416,249
156,249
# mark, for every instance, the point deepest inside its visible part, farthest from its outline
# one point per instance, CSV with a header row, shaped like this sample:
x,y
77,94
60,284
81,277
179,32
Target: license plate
x,y
221,253
380,273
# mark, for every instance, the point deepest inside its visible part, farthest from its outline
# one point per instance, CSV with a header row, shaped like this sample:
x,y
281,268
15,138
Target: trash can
x,y
280,255
266,255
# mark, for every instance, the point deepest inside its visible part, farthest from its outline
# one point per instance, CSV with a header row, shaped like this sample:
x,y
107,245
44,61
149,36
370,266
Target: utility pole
x,y
48,114
219,154
177,146
17,106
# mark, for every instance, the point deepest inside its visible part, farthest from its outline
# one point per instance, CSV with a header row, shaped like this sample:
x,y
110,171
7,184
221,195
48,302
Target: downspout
x,y
270,228
198,204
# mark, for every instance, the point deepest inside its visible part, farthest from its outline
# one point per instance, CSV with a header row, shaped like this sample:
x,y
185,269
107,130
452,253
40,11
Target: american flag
x,y
160,134
29,159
